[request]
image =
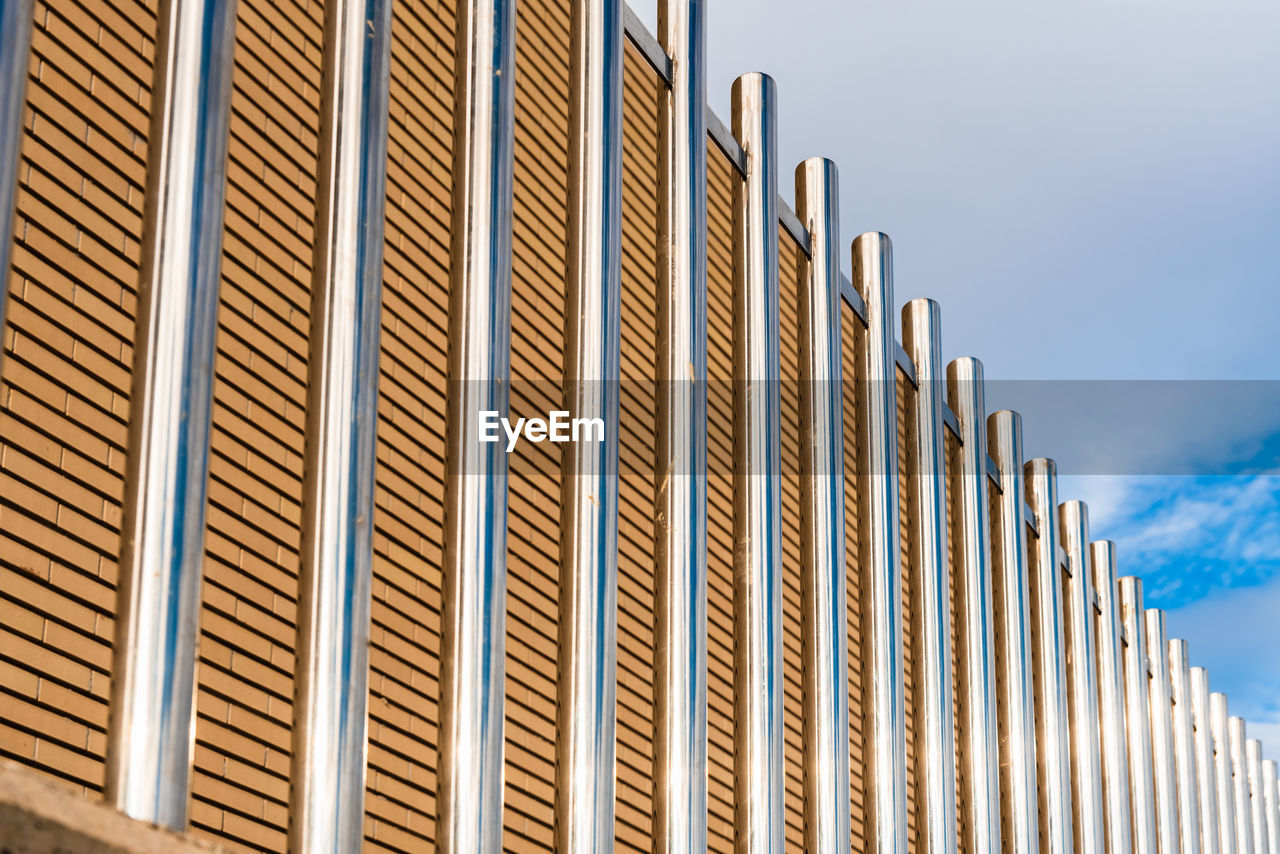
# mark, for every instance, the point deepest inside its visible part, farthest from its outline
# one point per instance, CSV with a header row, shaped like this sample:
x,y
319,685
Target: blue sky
x,y
1092,192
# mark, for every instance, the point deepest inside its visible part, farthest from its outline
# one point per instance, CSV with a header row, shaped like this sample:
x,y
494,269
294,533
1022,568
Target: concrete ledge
x,y
38,816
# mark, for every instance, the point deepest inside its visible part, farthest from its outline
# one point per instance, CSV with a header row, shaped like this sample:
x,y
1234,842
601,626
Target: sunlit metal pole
x,y
1111,695
1224,785
926,449
1257,808
587,687
1184,749
152,724
1206,766
473,625
331,690
1164,765
822,525
1137,717
1240,784
1271,806
757,520
978,745
883,701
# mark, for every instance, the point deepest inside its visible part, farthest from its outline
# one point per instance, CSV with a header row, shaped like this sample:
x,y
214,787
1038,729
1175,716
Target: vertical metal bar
x,y
1142,799
1013,613
149,739
979,724
1257,816
884,684
1270,806
1190,822
1224,785
1164,765
1053,714
1240,784
926,449
680,503
826,666
15,57
1206,765
1086,759
588,645
756,474
331,689
1111,695
473,642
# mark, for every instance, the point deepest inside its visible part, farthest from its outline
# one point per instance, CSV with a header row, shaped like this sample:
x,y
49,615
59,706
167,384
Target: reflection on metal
x,y
1270,806
1138,717
1224,785
884,715
586,713
152,724
978,745
1160,702
473,643
15,50
331,690
757,532
680,505
1184,749
1257,820
931,629
1206,766
1240,783
1013,612
1086,764
822,521
1111,697
1053,714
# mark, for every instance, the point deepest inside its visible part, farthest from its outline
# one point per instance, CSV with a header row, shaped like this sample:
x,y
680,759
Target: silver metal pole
x,y
680,503
979,723
152,724
586,712
473,625
1224,785
926,449
15,56
822,526
1206,765
1142,798
1164,765
1240,784
757,531
1257,815
1190,823
1053,738
1086,760
1111,711
1013,612
884,686
331,689
1270,806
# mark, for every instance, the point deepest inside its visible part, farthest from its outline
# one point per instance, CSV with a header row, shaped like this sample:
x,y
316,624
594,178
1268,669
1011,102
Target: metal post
x,y
587,688
883,680
1142,798
1240,784
15,56
152,724
1224,785
978,748
1206,766
1271,806
1190,822
473,625
926,451
1111,712
1053,714
1013,612
757,531
1086,761
680,503
1164,765
826,666
1257,815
